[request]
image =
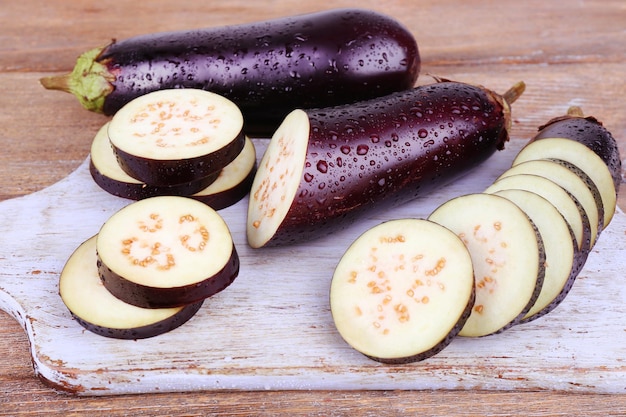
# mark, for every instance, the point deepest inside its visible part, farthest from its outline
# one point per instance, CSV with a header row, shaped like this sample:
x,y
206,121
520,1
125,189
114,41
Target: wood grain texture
x,y
567,52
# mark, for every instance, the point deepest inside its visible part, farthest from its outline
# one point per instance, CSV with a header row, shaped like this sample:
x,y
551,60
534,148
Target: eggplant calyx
x,y
573,112
505,100
513,93
90,81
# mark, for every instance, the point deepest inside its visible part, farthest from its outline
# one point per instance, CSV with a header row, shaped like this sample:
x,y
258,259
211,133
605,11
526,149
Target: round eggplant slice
x,y
564,202
508,257
97,310
402,290
165,252
573,183
582,157
107,173
175,136
560,268
595,192
569,207
234,181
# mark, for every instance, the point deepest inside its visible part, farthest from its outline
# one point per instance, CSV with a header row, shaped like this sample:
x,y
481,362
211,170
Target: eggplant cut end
x,y
277,179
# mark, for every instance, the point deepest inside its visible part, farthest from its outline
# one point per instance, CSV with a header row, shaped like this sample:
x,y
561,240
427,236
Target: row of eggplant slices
x,y
181,155
482,262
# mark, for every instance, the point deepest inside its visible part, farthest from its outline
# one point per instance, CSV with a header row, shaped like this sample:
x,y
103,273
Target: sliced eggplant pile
x,y
149,269
325,167
574,164
97,310
402,291
508,256
171,137
107,173
528,235
219,190
166,251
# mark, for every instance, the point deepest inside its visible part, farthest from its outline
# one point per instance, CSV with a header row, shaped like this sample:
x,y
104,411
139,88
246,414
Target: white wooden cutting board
x,y
272,329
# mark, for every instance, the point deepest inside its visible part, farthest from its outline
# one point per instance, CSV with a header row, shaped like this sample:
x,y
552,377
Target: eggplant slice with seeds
x,y
97,310
508,257
165,252
170,137
107,173
402,291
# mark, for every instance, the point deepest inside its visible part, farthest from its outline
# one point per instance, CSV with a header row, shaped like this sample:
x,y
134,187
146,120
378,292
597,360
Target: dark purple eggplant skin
x,y
227,198
173,172
139,191
590,132
272,67
387,151
143,332
156,297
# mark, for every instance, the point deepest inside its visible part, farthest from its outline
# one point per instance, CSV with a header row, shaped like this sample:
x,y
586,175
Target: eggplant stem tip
x,y
514,92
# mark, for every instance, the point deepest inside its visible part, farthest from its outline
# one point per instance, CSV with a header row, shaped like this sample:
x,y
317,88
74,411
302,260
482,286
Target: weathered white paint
x,y
272,329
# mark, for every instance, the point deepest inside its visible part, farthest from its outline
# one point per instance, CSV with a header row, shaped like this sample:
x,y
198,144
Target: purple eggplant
x,y
267,68
323,167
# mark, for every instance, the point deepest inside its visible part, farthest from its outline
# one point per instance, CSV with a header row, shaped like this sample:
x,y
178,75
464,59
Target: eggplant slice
x,y
98,311
171,137
508,257
165,252
402,291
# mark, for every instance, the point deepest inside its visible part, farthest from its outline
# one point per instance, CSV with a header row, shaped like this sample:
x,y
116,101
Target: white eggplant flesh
x,y
559,245
565,202
581,156
97,310
507,254
402,291
109,175
234,181
175,136
569,180
166,251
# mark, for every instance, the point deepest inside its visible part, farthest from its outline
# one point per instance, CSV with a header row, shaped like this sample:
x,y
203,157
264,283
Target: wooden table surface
x,y
567,52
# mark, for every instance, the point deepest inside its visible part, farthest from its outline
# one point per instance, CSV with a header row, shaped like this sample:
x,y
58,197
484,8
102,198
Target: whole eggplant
x,y
324,167
267,68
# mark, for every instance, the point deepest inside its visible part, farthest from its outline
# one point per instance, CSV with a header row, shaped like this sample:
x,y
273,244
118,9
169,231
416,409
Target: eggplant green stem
x,y
90,81
514,92
575,111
